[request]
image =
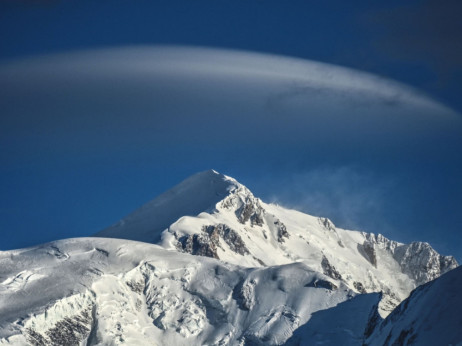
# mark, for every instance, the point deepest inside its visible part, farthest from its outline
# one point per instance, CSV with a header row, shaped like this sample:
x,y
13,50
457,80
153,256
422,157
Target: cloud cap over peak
x,y
146,95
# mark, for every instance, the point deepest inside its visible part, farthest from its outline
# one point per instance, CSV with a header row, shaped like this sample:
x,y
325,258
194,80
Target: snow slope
x,y
350,321
108,291
430,316
213,215
191,197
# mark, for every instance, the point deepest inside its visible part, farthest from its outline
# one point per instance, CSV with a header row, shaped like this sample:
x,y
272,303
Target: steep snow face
x,y
430,316
350,318
196,194
111,291
213,215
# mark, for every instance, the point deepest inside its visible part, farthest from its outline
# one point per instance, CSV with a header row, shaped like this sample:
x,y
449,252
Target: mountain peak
x,y
198,193
207,174
210,214
209,171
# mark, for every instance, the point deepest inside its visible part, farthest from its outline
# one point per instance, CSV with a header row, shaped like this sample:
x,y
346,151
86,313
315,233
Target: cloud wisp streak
x,y
348,193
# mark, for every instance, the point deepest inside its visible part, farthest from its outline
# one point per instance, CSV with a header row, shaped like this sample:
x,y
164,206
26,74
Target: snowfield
x,y
227,269
116,291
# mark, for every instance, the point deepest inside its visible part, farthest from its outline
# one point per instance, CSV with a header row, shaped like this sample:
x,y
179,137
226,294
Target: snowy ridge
x,y
229,223
196,194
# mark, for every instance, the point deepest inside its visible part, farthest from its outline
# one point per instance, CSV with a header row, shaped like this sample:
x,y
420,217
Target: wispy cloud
x,y
149,95
351,197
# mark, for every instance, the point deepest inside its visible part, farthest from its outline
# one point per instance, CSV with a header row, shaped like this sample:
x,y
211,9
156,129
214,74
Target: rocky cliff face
x,y
418,260
246,207
210,239
422,263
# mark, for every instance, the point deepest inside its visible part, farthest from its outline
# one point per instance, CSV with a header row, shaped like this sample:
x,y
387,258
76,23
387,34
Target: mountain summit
x,y
204,199
194,195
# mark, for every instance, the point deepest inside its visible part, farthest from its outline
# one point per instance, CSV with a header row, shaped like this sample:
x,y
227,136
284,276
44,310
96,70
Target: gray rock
x,y
368,251
230,237
200,245
329,269
327,224
322,284
282,230
207,242
251,210
359,287
422,263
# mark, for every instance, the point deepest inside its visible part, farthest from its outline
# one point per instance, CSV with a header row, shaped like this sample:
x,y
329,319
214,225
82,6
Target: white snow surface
x,y
112,291
227,269
191,197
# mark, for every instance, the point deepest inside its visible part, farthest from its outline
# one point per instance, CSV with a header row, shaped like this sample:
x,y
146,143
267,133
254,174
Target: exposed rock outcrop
x,y
246,206
367,249
418,259
422,263
250,210
329,269
282,230
230,237
207,242
244,294
70,328
359,287
326,223
200,244
322,284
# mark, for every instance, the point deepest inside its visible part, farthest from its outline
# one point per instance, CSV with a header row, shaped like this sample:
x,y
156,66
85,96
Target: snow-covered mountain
x,y
210,214
226,269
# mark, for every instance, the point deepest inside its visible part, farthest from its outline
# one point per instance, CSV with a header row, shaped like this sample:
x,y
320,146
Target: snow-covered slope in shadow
x,y
346,324
430,316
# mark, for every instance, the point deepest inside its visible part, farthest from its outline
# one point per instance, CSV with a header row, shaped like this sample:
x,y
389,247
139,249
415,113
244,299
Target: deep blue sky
x,y
48,194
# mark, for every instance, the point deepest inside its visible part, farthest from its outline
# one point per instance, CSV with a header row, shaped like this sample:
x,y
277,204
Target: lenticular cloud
x,y
150,95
